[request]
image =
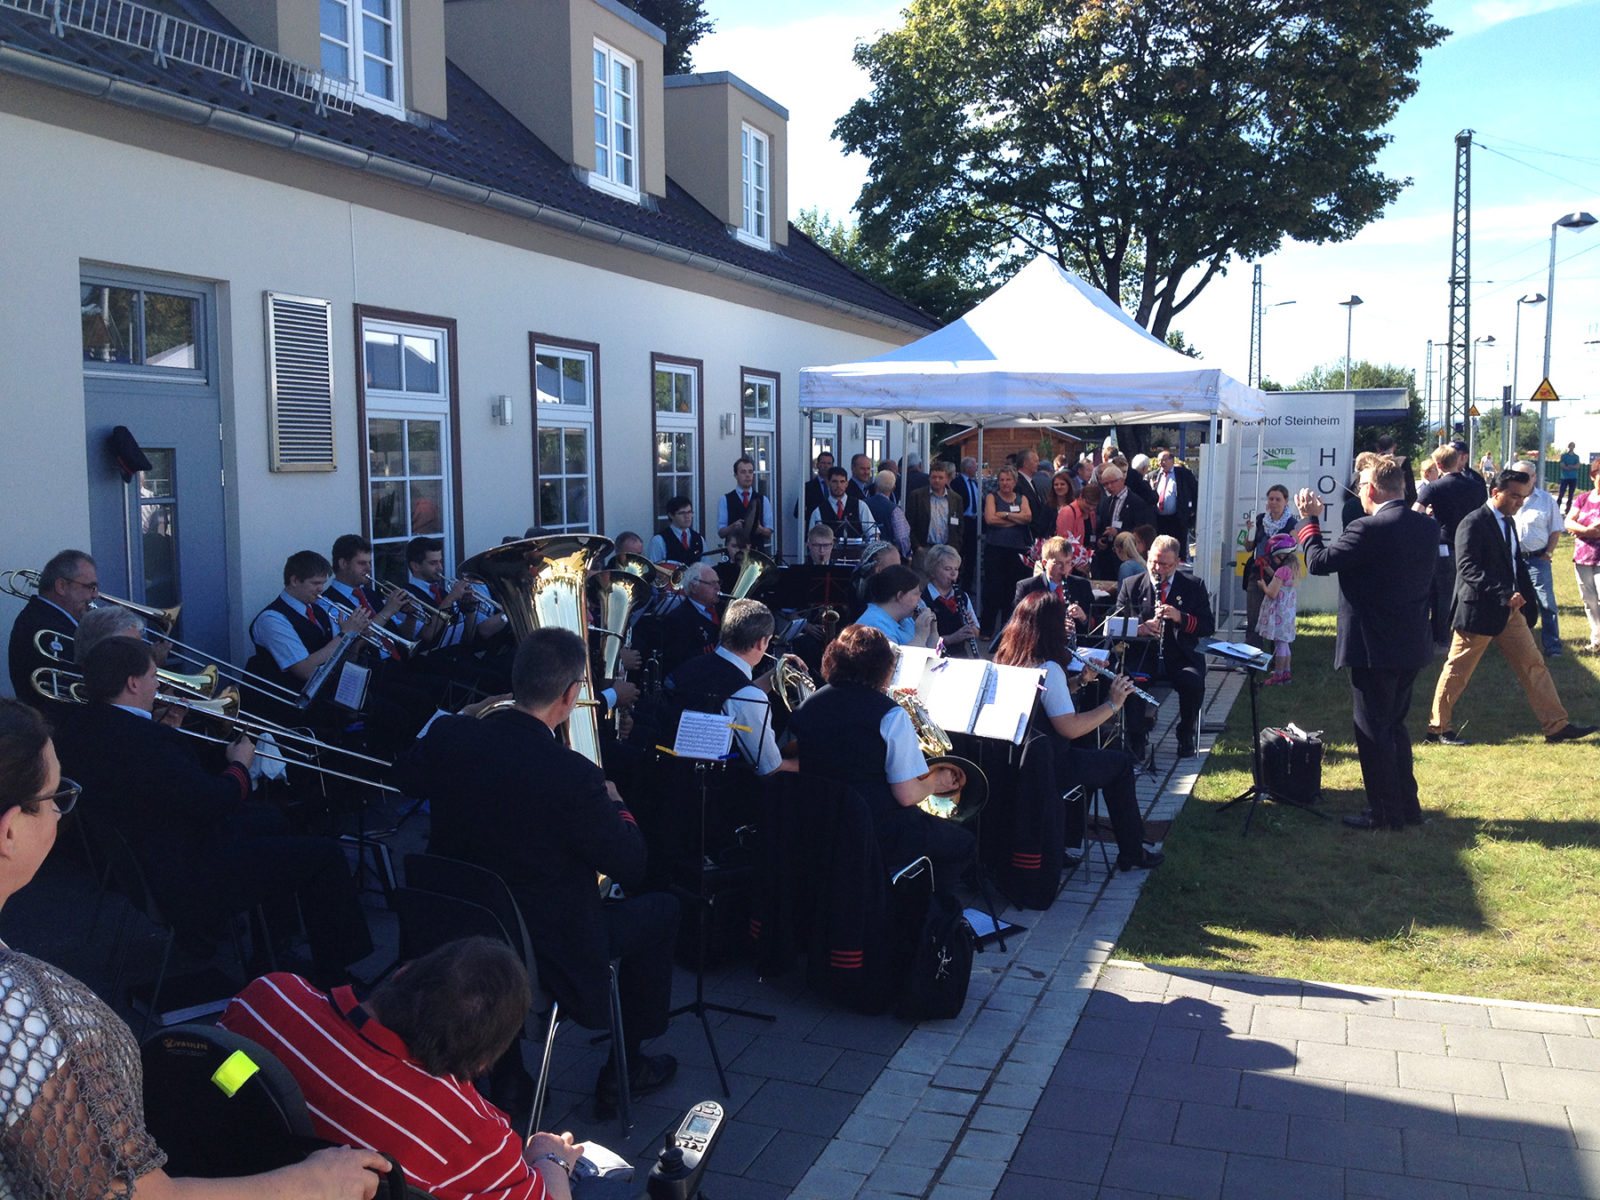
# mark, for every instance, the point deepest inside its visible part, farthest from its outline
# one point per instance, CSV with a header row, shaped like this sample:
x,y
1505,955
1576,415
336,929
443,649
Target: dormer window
x,y
754,154
616,122
360,42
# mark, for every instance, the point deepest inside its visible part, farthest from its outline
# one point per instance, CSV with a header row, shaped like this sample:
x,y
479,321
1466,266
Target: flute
x,y
1102,672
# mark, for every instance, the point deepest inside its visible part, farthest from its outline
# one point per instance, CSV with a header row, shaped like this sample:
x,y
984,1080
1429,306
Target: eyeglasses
x,y
63,798
92,585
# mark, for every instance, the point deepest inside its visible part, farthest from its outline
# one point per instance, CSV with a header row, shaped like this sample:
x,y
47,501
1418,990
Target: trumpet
x,y
55,684
389,590
23,583
372,634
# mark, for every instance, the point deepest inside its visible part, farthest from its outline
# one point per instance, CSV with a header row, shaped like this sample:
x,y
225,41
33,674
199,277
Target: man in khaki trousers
x,y
1492,590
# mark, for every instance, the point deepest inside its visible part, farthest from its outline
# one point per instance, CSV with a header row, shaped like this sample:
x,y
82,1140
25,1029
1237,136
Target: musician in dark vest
x,y
843,511
726,682
66,585
852,732
295,634
745,506
464,628
679,543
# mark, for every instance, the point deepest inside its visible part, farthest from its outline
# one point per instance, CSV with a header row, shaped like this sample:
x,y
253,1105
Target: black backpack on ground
x,y
1291,764
938,945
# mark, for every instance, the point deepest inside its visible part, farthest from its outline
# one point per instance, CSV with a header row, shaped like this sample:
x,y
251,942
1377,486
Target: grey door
x,y
150,365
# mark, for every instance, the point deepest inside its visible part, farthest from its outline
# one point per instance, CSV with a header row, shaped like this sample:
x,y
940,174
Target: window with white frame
x,y
754,154
361,43
759,409
616,122
823,433
676,387
564,437
877,442
409,489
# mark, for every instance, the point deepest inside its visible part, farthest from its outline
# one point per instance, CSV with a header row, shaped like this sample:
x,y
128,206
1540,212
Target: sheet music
x,y
952,691
1120,627
352,690
1008,702
911,666
703,735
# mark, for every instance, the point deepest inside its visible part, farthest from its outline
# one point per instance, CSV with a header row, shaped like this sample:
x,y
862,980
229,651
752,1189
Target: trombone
x,y
63,686
56,647
373,635
23,583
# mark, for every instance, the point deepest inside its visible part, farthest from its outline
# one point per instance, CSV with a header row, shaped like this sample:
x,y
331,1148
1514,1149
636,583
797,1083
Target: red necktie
x,y
838,510
361,599
366,606
683,537
744,499
438,592
311,614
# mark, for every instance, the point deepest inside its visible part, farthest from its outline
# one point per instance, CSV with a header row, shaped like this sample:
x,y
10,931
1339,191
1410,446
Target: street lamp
x,y
1508,441
1472,392
1349,307
1261,335
1574,221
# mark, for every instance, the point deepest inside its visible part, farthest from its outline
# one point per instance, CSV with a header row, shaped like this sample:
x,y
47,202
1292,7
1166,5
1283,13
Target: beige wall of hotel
x,y
249,235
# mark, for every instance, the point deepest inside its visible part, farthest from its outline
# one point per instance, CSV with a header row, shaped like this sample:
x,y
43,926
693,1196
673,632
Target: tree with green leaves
x,y
683,21
1407,431
1141,143
935,292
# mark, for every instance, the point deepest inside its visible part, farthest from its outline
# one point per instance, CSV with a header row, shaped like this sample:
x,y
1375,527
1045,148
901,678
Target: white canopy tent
x,y
1049,348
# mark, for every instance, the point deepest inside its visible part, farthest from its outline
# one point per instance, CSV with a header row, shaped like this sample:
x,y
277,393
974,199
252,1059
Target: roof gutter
x,y
100,86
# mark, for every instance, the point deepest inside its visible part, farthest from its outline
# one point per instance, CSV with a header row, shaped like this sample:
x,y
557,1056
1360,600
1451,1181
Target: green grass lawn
x,y
1498,895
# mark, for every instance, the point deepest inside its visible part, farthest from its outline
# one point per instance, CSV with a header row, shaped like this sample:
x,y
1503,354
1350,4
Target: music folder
x,y
969,695
1120,627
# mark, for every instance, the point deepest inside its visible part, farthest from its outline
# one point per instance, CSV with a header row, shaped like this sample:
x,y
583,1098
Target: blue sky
x,y
1521,73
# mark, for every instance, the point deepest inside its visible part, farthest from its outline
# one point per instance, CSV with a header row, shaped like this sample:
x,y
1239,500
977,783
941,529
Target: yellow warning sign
x,y
1473,411
1544,394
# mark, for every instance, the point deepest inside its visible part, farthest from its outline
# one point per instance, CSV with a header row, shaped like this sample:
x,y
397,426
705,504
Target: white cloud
x,y
1474,16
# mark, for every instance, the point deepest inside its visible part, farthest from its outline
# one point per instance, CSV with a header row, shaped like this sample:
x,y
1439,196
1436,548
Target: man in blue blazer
x,y
1494,602
1385,563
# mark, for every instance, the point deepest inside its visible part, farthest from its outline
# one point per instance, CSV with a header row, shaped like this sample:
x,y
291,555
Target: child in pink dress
x,y
1279,570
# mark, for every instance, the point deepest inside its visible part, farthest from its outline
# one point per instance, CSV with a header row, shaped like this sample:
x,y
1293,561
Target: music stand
x,y
700,1006
1253,662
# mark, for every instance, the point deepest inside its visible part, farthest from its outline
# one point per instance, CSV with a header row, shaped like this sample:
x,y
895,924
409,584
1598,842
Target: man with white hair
x,y
693,627
1539,524
1177,497
1173,607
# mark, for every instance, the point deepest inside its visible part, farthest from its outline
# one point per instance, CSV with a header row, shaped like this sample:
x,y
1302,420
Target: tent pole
x,y
977,548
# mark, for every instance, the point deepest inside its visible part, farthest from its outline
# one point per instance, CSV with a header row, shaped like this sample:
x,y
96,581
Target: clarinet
x,y
970,618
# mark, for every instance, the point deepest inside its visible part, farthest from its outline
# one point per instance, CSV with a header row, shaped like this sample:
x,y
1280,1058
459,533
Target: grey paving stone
x,y
1236,992
937,1041
1451,1156
1380,1185
1556,1085
999,1001
1052,1154
1249,1177
1091,1069
1445,1012
902,1082
917,1151
1115,1008
1290,1024
1501,1045
1399,1108
1191,1011
1223,1127
1013,1095
899,1179
780,1058
1321,998
1165,1170
791,1106
1000,1120
979,1143
1513,1120
1345,1144
1132,981
786,1158
1542,1020
915,1060
1187,1081
1578,1053
1017,1186
1353,1064
848,1156
1555,1171
1110,1037
855,1072
972,1173
951,1191
971,1079
1184,985
1086,1110
889,1106
1034,1052
1473,1077
1280,1093
739,1144
1585,1124
1027,1074
971,1054
1176,1043
942,1100
856,1031
1249,1053
1390,1033
872,1131
1149,1119
736,1187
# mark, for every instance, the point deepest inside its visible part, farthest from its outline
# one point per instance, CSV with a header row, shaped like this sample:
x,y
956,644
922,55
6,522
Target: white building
x,y
488,269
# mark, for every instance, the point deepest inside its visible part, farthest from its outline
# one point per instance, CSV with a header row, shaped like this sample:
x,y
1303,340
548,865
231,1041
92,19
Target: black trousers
x,y
1175,526
1187,680
642,931
1444,586
1003,569
907,834
1111,771
1382,697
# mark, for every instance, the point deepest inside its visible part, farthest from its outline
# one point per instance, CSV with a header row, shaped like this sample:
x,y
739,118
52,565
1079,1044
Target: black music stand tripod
x,y
700,1006
1254,663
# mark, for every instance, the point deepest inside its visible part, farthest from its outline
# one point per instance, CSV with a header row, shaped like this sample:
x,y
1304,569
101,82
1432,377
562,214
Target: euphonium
x,y
792,686
754,567
539,583
618,594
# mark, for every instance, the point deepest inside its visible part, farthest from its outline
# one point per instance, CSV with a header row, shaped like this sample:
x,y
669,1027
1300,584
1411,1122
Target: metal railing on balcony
x,y
169,39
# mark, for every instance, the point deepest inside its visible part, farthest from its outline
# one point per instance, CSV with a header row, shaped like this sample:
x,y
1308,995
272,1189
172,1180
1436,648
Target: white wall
x,y
77,198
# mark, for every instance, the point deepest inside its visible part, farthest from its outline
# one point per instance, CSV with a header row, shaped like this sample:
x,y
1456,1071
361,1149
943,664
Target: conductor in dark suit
x,y
1172,606
508,796
1120,509
207,851
1385,563
1494,602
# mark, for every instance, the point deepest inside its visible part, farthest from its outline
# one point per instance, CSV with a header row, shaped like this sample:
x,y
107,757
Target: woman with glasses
x,y
71,1105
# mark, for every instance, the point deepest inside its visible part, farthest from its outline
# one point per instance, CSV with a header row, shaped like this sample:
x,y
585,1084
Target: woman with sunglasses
x,y
71,1106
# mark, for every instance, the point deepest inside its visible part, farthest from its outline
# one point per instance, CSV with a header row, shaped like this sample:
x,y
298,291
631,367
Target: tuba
x,y
971,790
618,594
539,583
755,568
